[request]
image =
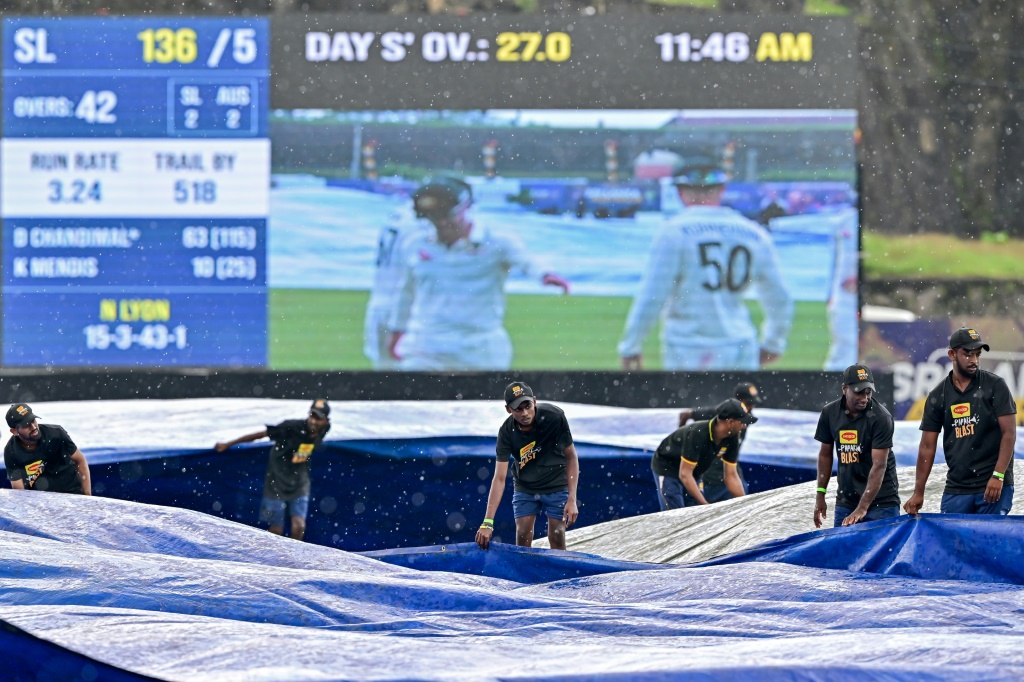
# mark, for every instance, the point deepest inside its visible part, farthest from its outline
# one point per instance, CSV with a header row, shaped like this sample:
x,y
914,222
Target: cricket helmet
x,y
440,197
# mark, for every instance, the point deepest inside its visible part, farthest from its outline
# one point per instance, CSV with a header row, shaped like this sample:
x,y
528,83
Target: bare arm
x,y
879,460
552,279
248,438
572,471
18,484
925,460
689,482
731,476
483,534
824,475
1008,425
633,363
685,415
82,468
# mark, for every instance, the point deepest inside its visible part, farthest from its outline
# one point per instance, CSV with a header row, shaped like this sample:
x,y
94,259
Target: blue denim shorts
x,y
671,494
272,511
873,514
530,504
976,504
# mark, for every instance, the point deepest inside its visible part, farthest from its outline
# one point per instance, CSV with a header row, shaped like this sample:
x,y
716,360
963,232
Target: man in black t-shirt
x,y
977,415
536,443
684,456
286,485
860,430
43,456
713,480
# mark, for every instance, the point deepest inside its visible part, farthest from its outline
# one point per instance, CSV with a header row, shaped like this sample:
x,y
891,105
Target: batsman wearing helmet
x,y
450,308
400,226
702,265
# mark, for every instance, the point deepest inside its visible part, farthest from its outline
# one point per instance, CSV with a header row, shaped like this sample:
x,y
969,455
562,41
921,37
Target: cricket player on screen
x,y
450,305
843,298
701,266
386,279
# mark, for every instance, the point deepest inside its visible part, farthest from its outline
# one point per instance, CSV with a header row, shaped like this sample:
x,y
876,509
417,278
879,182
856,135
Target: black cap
x,y
441,197
747,392
734,409
320,408
19,414
699,173
968,339
858,377
516,393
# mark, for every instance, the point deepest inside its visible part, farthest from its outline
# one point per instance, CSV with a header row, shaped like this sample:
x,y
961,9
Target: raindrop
x,y
456,521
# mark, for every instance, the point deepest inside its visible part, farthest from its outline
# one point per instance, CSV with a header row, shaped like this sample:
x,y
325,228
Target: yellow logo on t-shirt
x,y
848,447
32,472
961,410
528,453
303,453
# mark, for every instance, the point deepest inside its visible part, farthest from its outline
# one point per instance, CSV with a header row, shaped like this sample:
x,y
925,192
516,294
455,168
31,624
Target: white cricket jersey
x,y
458,290
388,273
386,281
842,302
701,264
846,267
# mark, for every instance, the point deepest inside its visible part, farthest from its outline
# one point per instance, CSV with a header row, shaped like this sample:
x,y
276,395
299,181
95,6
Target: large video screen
x,y
342,192
582,195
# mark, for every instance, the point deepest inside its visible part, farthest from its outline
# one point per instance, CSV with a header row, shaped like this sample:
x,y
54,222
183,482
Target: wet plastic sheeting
x,y
119,430
177,595
932,546
935,547
142,529
399,474
532,566
29,658
699,533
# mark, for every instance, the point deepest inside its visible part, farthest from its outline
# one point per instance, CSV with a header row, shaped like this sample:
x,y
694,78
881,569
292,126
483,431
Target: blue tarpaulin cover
x,y
399,473
94,588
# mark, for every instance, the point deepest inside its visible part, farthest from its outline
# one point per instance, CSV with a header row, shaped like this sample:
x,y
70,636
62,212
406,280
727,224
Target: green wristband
x,y
822,490
998,475
490,521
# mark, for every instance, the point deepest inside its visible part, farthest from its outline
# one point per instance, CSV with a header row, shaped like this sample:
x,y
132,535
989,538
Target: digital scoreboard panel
x,y
134,189
233,192
567,129
702,61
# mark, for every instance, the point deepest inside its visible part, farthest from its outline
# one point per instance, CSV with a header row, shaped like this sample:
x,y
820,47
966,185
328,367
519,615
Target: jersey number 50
x,y
733,274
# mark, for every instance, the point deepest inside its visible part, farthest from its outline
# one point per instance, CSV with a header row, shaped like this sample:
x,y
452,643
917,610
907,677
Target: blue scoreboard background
x,y
134,189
